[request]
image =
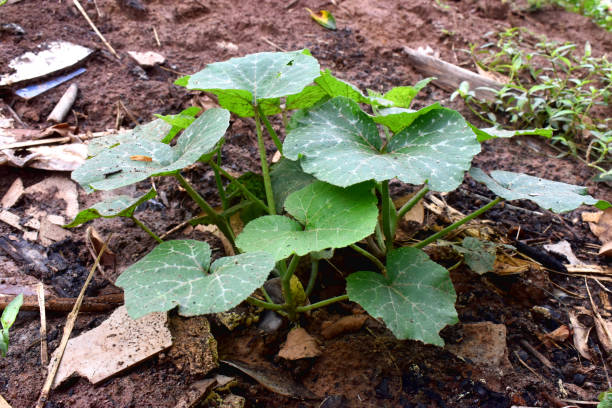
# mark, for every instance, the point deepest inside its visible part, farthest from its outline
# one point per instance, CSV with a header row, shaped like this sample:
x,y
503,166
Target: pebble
x,y
579,379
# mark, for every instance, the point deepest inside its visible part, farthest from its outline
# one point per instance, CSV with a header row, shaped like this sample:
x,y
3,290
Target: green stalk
x,y
219,182
286,284
457,224
146,229
265,305
322,303
371,257
264,163
270,129
241,186
380,239
389,216
314,271
216,219
412,202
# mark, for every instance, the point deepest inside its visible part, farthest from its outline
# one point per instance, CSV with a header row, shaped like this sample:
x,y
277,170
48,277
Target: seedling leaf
x,y
551,195
397,119
286,177
415,300
340,144
327,217
179,121
402,96
8,318
119,206
154,131
492,133
178,273
478,255
260,78
116,167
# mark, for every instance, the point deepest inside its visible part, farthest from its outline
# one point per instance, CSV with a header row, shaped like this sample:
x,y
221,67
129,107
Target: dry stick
x,y
537,354
95,304
16,116
156,37
524,364
44,357
93,26
70,320
130,115
58,114
273,45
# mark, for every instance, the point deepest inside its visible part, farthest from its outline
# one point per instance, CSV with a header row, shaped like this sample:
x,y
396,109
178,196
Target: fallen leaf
x,y
581,336
57,187
564,248
601,227
603,328
139,157
116,345
13,194
606,249
324,18
346,324
299,344
559,335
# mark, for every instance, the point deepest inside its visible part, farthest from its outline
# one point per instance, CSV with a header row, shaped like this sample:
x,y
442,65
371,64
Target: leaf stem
x,y
241,186
370,256
270,129
389,216
216,219
314,271
265,305
146,229
322,303
412,202
219,182
286,284
457,224
264,162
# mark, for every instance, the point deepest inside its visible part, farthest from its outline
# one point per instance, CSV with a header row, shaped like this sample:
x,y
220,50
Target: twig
x,y
16,116
98,9
40,291
527,366
127,111
274,45
63,106
95,304
537,354
156,37
70,320
93,26
3,403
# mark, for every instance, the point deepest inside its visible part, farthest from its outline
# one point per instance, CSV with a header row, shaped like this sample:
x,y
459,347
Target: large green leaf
x,y
154,131
493,132
397,119
551,195
340,144
120,166
327,217
261,77
415,300
180,121
118,206
178,273
287,176
479,255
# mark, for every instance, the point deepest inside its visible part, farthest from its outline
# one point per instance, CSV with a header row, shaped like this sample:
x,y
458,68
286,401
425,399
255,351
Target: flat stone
x,y
484,343
148,58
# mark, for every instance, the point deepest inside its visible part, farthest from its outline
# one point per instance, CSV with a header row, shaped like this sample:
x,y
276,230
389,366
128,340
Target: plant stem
x,y
264,163
216,219
371,257
241,186
412,202
457,224
322,303
380,239
265,305
270,129
314,271
286,284
146,229
266,295
219,182
389,216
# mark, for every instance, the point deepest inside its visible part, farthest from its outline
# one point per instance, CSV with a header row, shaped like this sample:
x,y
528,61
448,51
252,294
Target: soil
x,y
364,367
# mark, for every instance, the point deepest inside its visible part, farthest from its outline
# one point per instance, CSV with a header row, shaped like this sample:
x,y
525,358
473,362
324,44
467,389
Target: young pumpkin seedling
x,y
330,190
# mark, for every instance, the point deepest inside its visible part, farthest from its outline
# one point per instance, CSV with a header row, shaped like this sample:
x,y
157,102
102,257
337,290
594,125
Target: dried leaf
x,y
604,333
564,248
299,345
13,194
581,336
324,18
559,335
601,227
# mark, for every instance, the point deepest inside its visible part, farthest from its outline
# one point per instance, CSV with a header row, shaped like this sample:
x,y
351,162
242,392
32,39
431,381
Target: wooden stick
x,y
449,76
537,354
156,37
70,320
58,114
127,111
3,403
44,357
95,304
93,26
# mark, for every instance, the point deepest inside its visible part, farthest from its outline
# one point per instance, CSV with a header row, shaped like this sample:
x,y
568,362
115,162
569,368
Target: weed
x,y
330,190
8,318
600,11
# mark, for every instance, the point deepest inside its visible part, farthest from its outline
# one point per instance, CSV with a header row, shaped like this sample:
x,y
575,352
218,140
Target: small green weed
x,y
600,11
9,315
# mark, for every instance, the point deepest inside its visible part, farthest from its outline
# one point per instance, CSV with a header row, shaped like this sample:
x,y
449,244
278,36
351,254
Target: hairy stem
x,y
219,182
370,256
322,303
264,162
412,202
290,307
270,129
241,186
457,224
389,216
146,229
314,271
265,305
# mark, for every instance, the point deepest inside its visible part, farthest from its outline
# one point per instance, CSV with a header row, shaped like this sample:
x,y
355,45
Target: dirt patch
x,y
366,368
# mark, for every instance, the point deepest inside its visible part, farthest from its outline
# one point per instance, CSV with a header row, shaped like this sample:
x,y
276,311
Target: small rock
x,y
233,401
483,343
12,28
299,345
270,321
579,379
147,59
346,324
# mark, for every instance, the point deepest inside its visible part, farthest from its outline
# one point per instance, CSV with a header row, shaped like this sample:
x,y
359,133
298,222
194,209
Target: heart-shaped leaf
x,y
396,119
327,217
415,300
154,131
134,161
178,273
118,206
261,78
550,195
339,143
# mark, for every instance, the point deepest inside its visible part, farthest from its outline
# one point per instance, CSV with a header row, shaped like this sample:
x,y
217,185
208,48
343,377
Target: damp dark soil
x,y
366,368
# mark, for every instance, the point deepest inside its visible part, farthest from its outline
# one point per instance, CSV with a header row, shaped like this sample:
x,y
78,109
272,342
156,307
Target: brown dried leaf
x,y
559,335
581,336
604,333
299,345
13,194
601,227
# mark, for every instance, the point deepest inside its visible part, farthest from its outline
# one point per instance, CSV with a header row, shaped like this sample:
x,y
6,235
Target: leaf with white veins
x,y
178,273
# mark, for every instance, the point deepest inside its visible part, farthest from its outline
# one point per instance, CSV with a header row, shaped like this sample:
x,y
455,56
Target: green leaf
x,y
117,167
179,121
478,255
605,399
10,312
492,132
415,300
118,206
262,77
550,195
340,144
396,119
154,131
327,217
309,96
178,273
287,176
324,19
402,96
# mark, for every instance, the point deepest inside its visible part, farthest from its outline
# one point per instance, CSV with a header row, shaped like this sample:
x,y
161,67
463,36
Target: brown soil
x,y
367,368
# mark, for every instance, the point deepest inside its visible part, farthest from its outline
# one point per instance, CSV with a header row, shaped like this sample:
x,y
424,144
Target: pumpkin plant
x,y
330,190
